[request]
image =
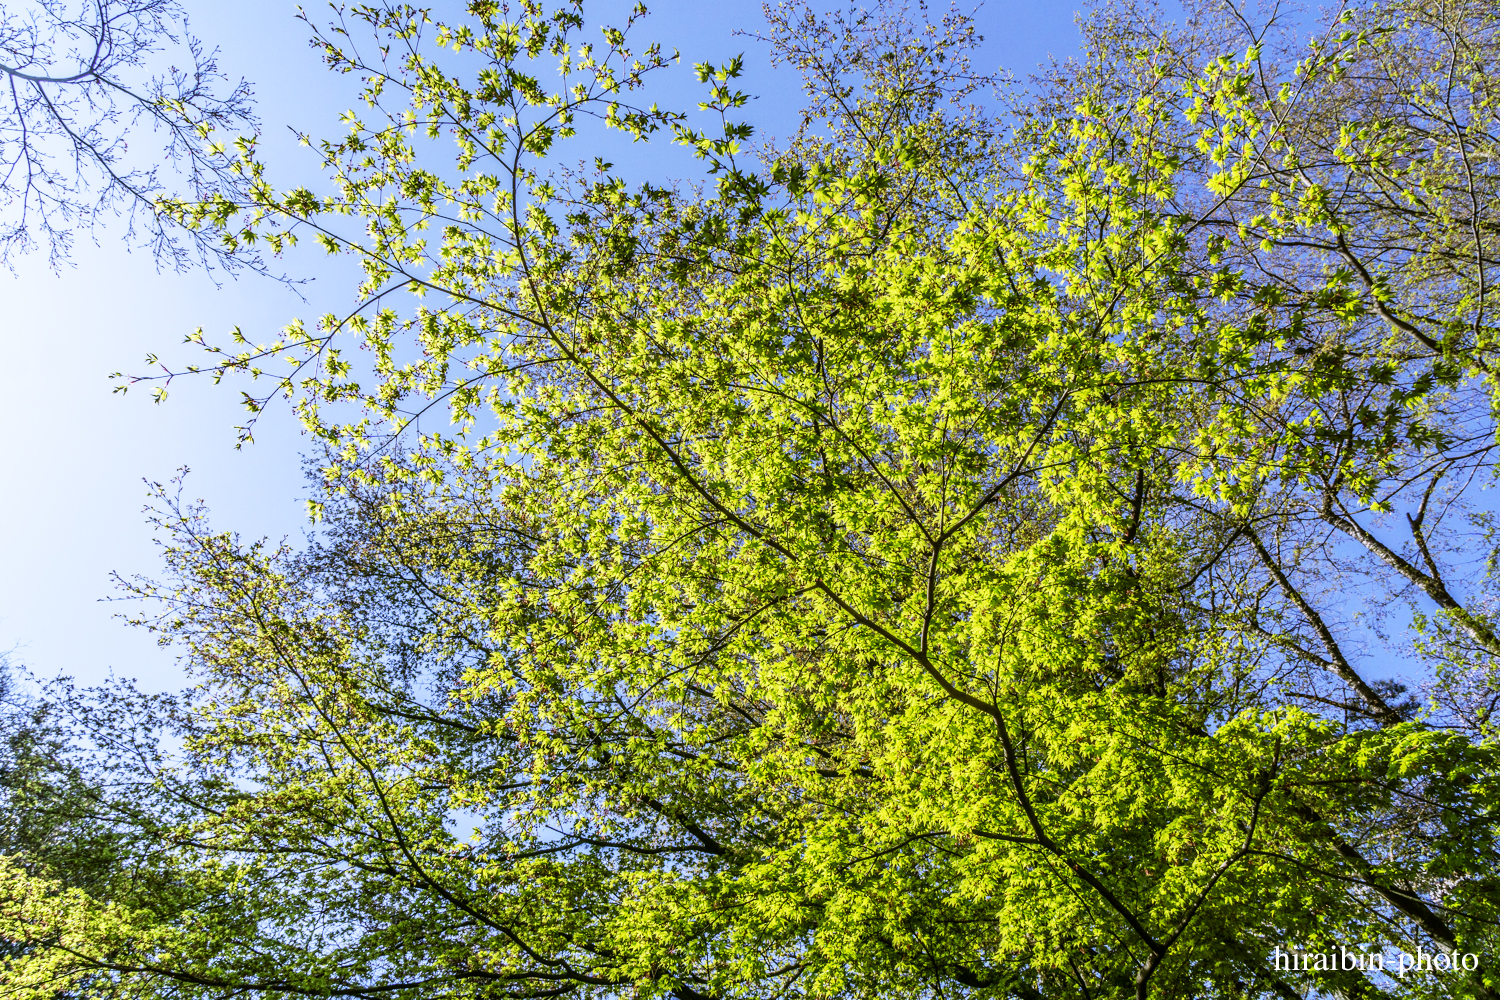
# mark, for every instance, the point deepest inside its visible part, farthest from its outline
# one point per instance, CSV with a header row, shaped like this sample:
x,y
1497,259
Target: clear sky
x,y
74,456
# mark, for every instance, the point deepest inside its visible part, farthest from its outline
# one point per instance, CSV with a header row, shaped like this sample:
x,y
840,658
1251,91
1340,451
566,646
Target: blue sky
x,y
75,455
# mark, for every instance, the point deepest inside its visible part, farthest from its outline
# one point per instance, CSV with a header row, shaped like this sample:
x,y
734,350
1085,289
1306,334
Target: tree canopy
x,y
958,551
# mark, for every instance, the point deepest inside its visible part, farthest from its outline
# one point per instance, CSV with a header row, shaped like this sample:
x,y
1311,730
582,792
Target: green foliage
x,y
901,568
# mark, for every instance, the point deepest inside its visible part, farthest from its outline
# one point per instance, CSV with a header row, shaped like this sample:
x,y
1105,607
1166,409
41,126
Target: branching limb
x,y
1336,661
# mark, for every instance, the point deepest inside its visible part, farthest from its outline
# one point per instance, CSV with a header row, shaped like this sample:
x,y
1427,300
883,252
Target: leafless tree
x,y
98,122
